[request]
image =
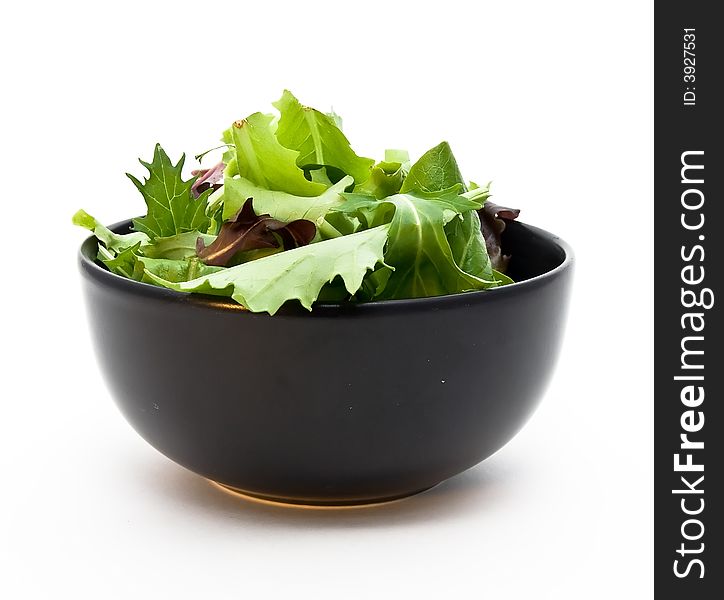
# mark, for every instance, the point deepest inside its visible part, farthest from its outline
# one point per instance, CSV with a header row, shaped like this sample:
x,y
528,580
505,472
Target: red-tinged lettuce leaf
x,y
248,231
493,219
207,179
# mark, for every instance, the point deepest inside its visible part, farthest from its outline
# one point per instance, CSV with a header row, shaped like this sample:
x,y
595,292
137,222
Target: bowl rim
x,y
103,276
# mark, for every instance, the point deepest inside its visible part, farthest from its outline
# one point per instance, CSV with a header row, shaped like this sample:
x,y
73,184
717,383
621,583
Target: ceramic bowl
x,y
349,404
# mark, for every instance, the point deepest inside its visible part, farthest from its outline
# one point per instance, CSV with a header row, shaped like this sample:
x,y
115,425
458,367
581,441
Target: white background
x,y
550,100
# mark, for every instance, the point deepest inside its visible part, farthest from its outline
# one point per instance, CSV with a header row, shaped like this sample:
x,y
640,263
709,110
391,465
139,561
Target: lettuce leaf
x,y
387,176
261,159
172,207
435,170
113,241
124,263
468,245
418,248
318,139
281,205
175,271
175,247
249,231
494,220
263,285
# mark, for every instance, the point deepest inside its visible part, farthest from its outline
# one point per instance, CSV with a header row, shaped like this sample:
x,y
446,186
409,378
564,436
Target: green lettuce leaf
x,y
387,177
468,245
124,263
436,170
420,252
281,205
113,241
263,285
175,247
175,271
418,248
261,159
318,139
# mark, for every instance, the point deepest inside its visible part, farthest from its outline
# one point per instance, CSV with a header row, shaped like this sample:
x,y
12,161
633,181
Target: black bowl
x,y
348,404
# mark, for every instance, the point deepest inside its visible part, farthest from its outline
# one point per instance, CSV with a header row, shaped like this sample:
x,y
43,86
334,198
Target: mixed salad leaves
x,y
293,213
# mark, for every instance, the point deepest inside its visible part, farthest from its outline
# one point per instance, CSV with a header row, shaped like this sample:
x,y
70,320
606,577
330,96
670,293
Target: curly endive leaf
x,y
318,139
263,285
172,207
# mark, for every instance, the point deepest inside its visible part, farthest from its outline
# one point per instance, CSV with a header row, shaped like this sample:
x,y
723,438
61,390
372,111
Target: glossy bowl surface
x,y
348,404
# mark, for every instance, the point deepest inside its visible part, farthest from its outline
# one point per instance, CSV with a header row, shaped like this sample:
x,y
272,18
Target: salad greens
x,y
292,213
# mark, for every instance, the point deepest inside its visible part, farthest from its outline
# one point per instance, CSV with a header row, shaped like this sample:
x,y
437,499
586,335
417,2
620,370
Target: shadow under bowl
x,y
349,404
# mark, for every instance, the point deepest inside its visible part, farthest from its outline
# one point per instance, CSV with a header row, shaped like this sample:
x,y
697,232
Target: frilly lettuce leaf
x,y
318,139
172,208
261,159
281,205
263,285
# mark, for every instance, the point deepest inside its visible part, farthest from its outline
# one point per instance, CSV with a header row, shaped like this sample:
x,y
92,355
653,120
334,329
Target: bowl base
x,y
320,505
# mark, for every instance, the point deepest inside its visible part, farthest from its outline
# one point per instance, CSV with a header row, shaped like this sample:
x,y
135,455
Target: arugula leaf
x,y
113,241
261,159
436,170
318,139
280,205
172,208
263,285
248,231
